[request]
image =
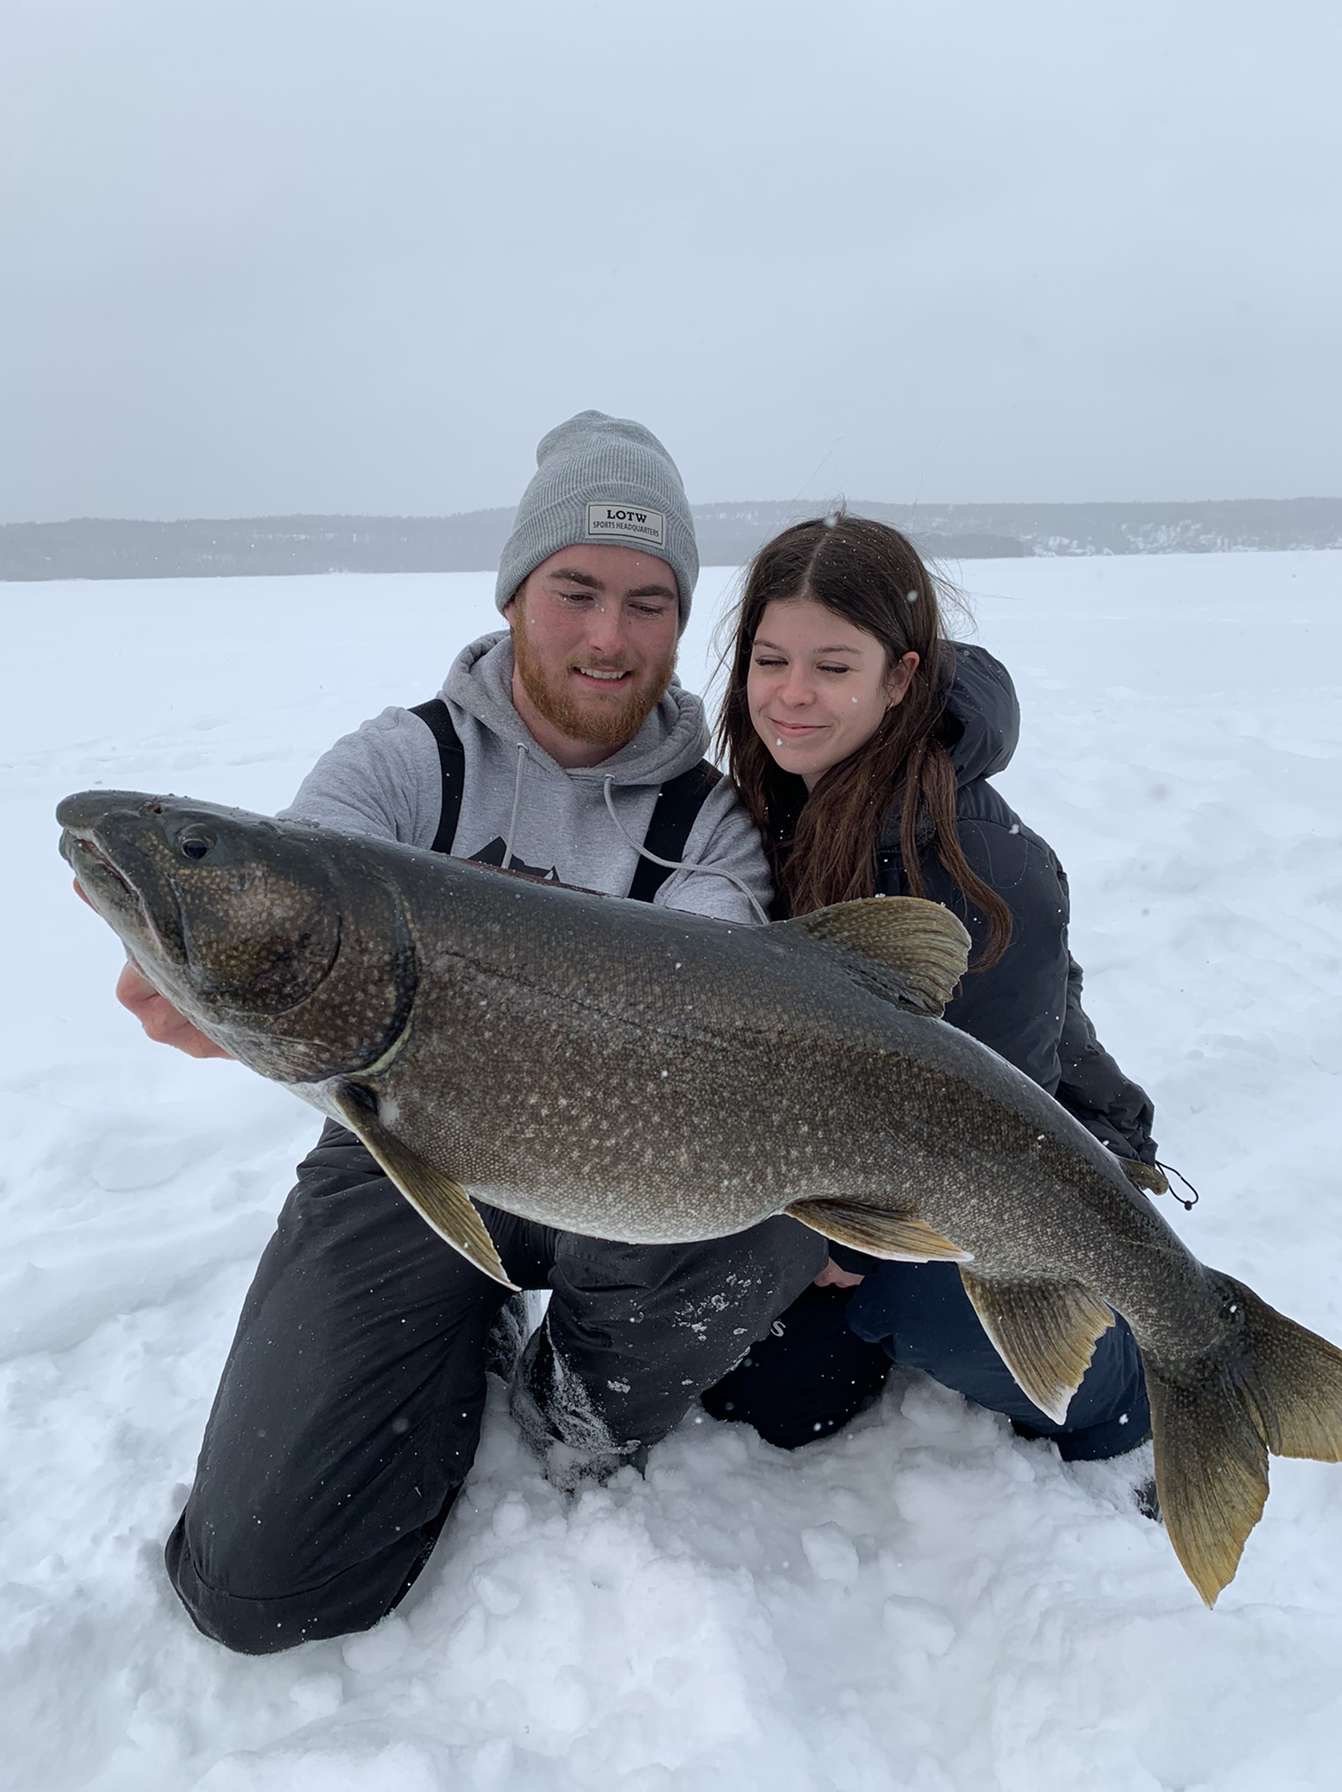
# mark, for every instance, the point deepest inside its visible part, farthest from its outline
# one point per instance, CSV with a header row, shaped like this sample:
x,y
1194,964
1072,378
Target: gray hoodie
x,y
520,807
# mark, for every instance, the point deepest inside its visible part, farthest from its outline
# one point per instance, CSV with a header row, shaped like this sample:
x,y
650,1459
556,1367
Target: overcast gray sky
x,y
305,255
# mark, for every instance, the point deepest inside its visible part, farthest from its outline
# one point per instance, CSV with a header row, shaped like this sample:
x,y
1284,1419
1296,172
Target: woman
x,y
862,742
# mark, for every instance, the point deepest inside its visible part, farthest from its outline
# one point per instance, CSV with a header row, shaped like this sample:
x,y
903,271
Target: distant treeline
x,y
101,548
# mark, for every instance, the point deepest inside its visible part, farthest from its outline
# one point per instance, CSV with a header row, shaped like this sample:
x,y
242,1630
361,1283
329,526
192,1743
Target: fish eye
x,y
195,843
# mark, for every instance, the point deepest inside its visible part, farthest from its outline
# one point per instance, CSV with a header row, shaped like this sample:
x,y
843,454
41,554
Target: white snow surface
x,y
922,1602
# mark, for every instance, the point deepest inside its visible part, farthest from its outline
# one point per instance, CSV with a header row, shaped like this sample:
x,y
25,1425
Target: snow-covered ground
x,y
920,1603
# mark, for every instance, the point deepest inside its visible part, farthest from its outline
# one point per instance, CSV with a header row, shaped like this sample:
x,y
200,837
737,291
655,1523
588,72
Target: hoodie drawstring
x,y
517,799
679,864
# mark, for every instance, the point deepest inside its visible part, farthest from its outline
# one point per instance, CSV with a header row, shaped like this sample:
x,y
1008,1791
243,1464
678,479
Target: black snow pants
x,y
350,1404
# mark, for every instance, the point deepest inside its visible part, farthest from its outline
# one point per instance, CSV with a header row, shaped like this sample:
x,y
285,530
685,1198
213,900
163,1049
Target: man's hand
x,y
156,1013
831,1276
160,1019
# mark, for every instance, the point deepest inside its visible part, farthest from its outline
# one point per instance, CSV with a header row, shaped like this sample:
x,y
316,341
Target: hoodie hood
x,y
671,740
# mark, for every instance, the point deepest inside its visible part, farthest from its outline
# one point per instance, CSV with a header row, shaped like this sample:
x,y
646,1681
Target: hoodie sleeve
x,y
723,845
384,779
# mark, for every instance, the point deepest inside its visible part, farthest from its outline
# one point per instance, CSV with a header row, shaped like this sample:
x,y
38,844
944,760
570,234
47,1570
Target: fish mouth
x,y
102,842
90,863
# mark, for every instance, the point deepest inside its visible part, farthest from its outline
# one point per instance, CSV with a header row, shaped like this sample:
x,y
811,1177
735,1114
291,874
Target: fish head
x,y
240,921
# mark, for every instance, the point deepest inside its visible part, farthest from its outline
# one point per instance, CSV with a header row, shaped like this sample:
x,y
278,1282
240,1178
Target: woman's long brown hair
x,y
823,847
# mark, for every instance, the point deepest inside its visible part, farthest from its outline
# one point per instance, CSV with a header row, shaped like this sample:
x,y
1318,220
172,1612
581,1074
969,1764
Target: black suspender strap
x,y
453,762
678,806
676,810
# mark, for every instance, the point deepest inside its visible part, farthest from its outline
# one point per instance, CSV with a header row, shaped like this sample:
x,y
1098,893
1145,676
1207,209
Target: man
x,y
350,1404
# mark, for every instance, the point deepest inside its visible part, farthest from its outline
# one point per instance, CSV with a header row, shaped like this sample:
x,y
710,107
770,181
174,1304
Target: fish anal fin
x,y
911,951
439,1201
1045,1333
903,1238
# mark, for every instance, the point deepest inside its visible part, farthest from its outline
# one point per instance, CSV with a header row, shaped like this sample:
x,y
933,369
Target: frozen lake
x,y
922,1602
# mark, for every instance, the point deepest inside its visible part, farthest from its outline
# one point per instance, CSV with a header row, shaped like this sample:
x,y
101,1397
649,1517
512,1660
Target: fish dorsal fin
x,y
436,1198
918,950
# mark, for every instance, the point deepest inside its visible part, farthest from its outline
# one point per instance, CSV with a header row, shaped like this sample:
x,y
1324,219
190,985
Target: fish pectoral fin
x,y
1146,1177
910,951
904,1238
439,1201
1045,1333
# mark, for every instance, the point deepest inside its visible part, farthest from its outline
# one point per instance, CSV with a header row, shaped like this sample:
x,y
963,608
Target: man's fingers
x,y
192,1041
160,1020
166,1026
134,990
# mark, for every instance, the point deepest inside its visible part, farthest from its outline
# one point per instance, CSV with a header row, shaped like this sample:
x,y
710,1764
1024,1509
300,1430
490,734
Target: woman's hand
x,y
831,1276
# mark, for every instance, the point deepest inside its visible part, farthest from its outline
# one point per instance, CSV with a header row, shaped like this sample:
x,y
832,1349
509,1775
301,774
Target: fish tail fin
x,y
1275,1387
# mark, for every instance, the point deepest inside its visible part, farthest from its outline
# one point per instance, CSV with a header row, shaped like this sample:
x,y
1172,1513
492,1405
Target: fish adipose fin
x,y
439,1201
1275,1387
907,1240
918,950
1045,1333
1147,1177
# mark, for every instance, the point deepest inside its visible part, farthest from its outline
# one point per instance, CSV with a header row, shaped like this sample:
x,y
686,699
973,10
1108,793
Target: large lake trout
x,y
632,1073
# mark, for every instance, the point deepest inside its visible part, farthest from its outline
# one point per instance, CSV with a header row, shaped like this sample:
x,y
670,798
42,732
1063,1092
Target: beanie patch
x,y
628,521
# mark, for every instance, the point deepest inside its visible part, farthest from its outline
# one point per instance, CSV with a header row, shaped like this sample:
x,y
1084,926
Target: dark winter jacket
x,y
1027,1007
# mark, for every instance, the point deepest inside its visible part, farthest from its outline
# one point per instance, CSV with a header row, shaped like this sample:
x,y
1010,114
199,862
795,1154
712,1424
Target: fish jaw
x,y
102,840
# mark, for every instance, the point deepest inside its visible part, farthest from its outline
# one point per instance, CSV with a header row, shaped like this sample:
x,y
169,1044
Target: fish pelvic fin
x,y
439,1201
1275,1388
1045,1333
910,951
905,1239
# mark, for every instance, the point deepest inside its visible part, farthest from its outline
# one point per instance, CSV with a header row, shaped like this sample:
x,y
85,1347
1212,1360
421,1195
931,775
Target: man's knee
x,y
251,1594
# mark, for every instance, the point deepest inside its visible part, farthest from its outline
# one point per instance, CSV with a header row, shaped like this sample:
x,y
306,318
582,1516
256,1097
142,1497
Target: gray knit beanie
x,y
607,480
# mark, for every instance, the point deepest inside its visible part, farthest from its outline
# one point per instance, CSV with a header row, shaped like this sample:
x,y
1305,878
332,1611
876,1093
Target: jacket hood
x,y
674,737
981,722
